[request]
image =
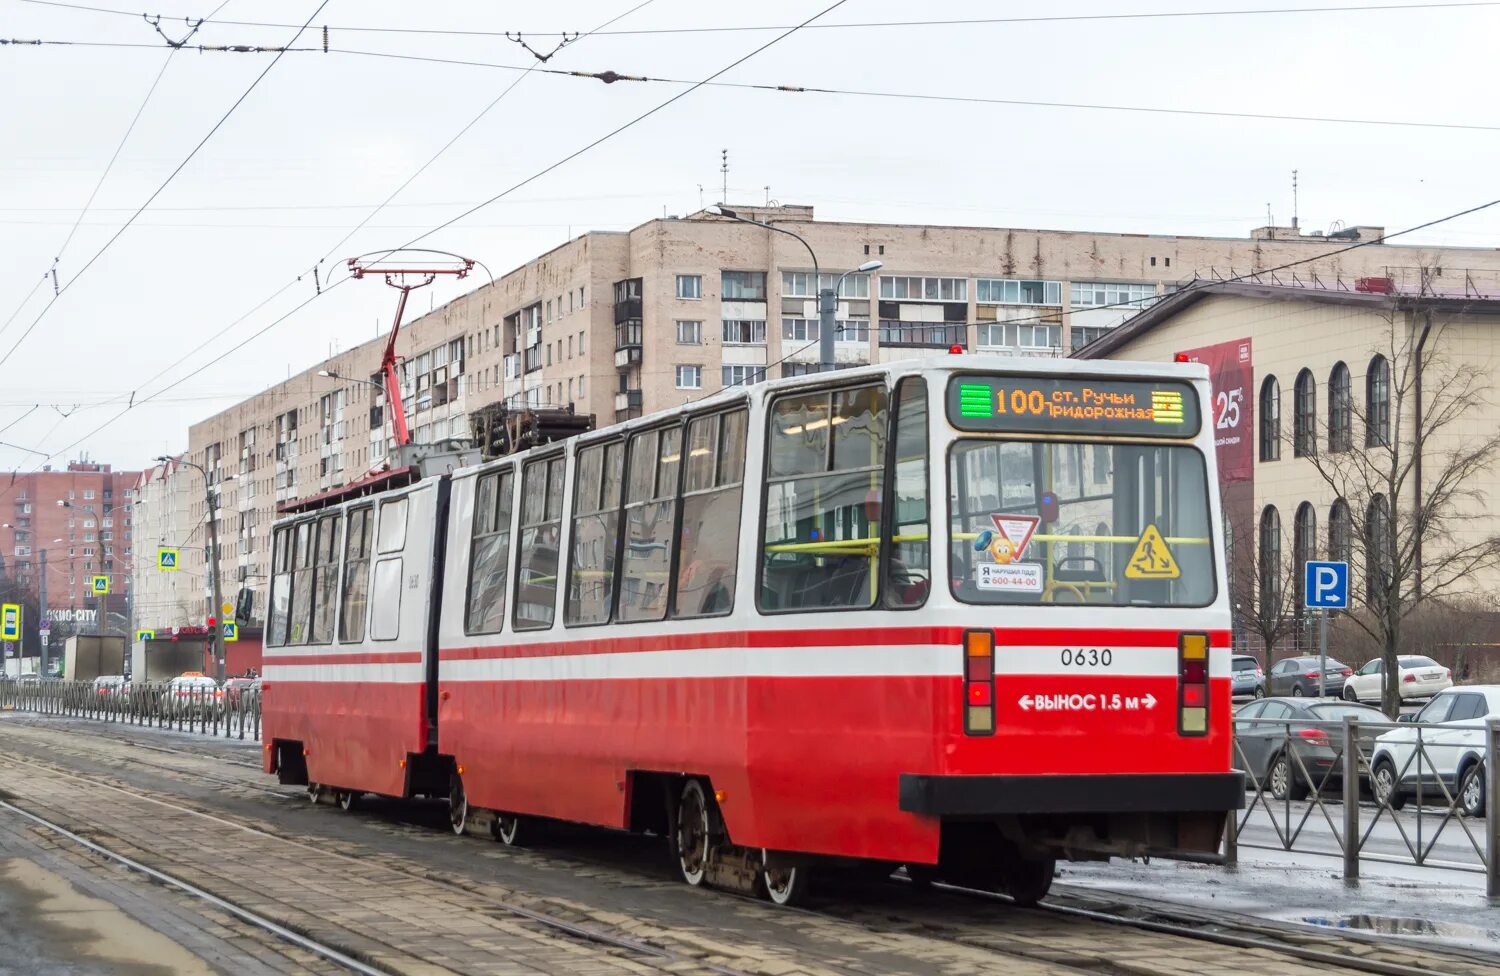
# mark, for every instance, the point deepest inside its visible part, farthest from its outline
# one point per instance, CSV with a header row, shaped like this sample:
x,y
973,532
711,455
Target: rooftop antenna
x,y
1294,199
1270,221
724,171
768,195
408,269
700,196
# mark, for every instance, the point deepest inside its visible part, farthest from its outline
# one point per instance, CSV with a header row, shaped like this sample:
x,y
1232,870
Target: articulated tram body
x,y
892,612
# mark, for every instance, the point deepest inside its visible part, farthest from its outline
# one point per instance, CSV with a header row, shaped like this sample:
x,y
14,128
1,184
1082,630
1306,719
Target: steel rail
x,y
581,932
243,914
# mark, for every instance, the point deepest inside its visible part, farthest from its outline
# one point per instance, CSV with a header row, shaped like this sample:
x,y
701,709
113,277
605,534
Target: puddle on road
x,y
1397,925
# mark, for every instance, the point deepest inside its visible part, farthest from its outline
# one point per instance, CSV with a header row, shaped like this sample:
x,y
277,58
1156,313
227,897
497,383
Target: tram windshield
x,y
1094,523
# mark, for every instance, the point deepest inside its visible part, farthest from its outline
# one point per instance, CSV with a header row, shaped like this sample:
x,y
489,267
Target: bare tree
x,y
1405,458
1265,594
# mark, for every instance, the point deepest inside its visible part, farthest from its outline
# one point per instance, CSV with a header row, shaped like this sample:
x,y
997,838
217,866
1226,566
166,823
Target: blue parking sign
x,y
1325,586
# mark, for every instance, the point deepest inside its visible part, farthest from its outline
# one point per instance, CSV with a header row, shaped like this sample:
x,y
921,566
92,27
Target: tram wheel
x,y
692,834
458,806
784,885
1027,880
506,828
314,793
347,799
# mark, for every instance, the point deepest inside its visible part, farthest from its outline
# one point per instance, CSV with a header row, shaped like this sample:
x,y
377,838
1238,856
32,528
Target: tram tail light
x,y
979,682
1192,684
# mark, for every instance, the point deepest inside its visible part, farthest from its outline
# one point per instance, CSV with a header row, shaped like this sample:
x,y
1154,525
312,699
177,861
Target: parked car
x,y
1246,677
1421,677
1272,735
1299,676
1452,752
235,690
193,695
107,685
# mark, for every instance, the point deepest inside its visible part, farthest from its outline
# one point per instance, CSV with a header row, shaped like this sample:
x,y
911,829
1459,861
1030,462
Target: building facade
x,y
163,498
623,323
78,524
1319,397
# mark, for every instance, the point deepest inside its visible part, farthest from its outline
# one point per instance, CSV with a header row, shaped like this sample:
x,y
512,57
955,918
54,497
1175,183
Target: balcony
x,y
629,335
924,334
628,309
625,358
628,400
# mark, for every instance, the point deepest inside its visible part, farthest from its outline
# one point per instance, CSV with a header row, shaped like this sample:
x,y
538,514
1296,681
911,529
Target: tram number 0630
x,y
1087,657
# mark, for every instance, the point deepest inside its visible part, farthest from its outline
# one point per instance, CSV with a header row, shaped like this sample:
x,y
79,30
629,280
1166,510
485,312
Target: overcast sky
x,y
324,139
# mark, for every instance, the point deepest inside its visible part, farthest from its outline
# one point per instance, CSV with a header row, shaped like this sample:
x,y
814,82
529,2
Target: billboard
x,y
1232,377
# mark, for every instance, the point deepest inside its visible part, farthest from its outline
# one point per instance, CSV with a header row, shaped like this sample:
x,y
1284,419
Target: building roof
x,y
1178,301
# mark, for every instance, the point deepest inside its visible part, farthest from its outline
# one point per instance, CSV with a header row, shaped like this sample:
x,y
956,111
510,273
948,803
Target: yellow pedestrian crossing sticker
x,y
1152,560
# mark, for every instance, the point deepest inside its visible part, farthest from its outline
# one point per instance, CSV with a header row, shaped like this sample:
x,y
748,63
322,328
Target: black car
x,y
1299,676
1289,746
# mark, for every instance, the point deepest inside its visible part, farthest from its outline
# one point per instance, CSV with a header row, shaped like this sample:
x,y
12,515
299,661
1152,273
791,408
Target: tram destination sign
x,y
1064,405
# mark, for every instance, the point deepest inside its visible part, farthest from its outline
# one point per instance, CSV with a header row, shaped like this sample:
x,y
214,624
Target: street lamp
x,y
330,374
213,559
828,298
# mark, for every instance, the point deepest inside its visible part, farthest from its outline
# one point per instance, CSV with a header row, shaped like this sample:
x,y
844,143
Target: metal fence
x,y
1395,792
231,713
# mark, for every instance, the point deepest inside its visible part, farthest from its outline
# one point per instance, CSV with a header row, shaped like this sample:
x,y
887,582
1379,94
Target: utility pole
x,y
41,610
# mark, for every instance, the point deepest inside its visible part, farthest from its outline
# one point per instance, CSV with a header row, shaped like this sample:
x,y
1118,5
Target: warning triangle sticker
x,y
1017,530
1152,560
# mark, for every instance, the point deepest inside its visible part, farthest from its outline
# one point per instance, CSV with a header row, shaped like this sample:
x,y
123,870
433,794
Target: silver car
x,y
1247,680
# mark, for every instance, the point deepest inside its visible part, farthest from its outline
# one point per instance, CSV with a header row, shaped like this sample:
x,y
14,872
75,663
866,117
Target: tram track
x,y
873,911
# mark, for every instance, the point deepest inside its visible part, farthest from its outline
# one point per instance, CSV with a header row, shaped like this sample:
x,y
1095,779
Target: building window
x,y
1015,335
88,493
690,377
1270,561
800,284
690,286
1016,291
1082,335
1340,407
743,375
799,330
1340,536
689,333
1091,294
1305,415
1304,545
923,334
742,286
925,289
1378,403
627,290
745,331
1270,419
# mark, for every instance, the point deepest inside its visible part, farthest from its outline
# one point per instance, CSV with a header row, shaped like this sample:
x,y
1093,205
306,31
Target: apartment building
x,y
616,324
163,502
77,523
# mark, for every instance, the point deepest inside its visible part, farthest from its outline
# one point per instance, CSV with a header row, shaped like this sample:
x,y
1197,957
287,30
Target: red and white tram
x,y
966,615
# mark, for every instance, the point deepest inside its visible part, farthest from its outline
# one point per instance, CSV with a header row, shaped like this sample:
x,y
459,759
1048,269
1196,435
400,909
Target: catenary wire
x,y
955,22
157,192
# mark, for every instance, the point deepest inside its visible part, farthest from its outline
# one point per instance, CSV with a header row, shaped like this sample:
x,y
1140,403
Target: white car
x,y
1421,677
1452,751
194,695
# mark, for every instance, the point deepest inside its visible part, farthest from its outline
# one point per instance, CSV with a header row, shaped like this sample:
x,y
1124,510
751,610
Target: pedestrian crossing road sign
x,y
166,559
231,631
1152,560
10,621
142,635
99,584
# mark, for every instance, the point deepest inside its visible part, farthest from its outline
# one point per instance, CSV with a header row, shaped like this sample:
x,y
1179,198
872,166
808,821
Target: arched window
x,y
1379,556
1270,419
1340,537
1378,403
1304,545
1270,563
1339,410
1305,415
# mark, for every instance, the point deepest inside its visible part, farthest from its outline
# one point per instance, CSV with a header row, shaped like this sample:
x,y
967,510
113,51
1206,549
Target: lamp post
x,y
213,561
828,298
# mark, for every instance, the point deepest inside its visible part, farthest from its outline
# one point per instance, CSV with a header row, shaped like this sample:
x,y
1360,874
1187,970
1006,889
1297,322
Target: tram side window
x,y
281,588
908,562
385,585
489,553
541,529
392,527
821,549
650,508
325,579
300,613
596,530
709,546
356,576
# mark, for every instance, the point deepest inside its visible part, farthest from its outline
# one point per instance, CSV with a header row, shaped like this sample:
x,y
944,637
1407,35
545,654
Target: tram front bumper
x,y
983,796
